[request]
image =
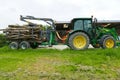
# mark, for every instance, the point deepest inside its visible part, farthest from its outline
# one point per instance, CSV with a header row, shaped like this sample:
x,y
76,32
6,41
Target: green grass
x,y
52,64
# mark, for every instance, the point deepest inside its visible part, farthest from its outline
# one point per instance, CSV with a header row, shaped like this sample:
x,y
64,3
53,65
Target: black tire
x,y
108,42
101,39
78,41
33,46
14,45
24,45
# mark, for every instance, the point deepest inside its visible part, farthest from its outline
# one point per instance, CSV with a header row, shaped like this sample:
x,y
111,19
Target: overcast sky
x,y
60,10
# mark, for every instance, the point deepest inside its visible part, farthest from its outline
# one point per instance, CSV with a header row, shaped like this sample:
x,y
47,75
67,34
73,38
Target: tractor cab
x,y
83,24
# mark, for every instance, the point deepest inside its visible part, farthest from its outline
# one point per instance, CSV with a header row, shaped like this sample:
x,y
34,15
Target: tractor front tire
x,y
108,42
14,45
24,45
78,41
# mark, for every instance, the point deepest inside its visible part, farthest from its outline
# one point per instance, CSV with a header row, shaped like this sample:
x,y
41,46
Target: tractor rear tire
x,y
78,41
14,45
24,45
108,42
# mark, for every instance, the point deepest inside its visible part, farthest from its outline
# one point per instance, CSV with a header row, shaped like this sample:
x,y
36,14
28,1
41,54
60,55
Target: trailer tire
x,y
24,45
78,41
108,42
14,45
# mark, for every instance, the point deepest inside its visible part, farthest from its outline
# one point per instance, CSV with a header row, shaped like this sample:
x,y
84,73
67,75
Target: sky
x,y
59,10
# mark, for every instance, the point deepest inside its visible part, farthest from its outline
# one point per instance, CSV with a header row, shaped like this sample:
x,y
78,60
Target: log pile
x,y
22,32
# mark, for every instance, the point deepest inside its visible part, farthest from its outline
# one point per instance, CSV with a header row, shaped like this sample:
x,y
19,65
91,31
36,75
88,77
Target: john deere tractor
x,y
78,34
86,31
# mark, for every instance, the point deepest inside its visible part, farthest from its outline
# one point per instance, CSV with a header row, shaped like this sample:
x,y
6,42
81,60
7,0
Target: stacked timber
x,y
23,32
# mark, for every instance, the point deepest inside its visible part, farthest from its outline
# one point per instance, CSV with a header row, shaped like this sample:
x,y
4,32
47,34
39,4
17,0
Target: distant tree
x,y
3,40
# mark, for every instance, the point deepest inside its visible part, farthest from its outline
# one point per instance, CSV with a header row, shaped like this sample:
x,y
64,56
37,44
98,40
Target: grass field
x,y
52,64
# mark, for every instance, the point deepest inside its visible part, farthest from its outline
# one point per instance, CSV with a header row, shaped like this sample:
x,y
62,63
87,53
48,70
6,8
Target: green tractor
x,y
86,31
78,34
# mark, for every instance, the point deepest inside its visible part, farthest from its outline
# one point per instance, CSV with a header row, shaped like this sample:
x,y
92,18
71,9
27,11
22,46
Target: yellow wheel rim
x,y
79,41
109,43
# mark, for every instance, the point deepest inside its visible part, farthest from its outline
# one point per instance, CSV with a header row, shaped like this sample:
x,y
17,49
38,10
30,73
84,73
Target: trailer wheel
x,y
14,45
108,42
78,41
24,45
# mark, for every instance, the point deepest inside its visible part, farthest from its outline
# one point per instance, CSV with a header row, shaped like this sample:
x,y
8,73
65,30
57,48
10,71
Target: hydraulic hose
x,y
60,36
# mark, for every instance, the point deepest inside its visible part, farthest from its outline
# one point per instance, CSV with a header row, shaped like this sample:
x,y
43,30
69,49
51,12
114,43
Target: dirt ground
x,y
60,47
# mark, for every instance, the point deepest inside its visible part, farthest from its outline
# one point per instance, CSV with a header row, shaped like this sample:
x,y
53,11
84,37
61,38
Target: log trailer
x,y
77,34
